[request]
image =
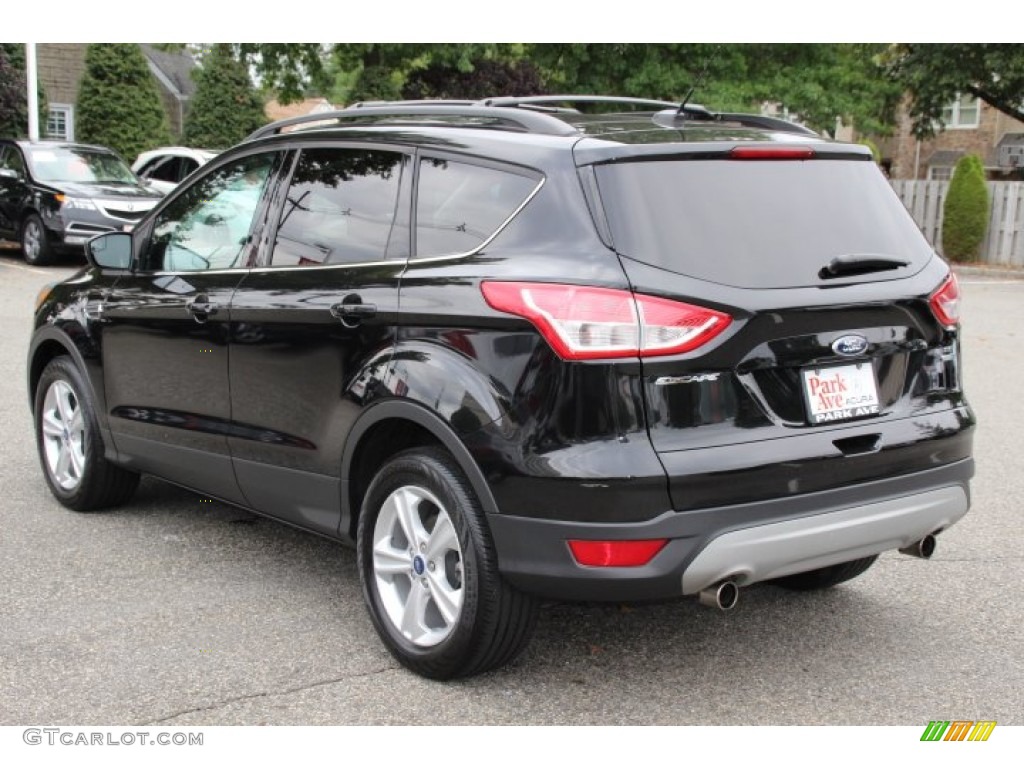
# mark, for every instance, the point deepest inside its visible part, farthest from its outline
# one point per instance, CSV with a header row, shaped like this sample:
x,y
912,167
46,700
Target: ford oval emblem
x,y
850,345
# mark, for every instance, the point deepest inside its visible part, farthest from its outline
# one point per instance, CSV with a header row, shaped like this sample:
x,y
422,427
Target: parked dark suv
x,y
515,349
55,197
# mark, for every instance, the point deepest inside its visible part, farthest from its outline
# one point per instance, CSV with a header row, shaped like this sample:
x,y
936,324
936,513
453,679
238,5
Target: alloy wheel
x,y
417,566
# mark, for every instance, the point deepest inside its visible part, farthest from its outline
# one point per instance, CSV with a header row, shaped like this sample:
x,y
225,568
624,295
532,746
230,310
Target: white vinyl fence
x,y
1004,240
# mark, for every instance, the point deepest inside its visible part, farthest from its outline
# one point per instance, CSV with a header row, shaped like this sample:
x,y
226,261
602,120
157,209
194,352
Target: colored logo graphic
x,y
958,730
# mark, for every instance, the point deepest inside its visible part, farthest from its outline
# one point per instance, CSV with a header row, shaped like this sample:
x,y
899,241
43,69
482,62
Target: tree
x,y
935,74
226,107
965,212
118,102
488,77
817,82
13,96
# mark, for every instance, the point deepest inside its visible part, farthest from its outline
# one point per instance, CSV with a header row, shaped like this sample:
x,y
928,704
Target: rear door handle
x,y
352,311
202,308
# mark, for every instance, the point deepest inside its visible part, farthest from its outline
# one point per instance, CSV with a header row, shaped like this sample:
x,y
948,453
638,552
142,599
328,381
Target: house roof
x,y
174,70
943,158
275,111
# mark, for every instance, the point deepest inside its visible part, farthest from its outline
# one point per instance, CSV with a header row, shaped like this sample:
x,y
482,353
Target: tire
x,y
70,448
823,578
35,245
434,593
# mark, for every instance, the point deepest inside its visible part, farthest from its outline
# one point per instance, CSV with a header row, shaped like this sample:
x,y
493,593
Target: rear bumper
x,y
748,542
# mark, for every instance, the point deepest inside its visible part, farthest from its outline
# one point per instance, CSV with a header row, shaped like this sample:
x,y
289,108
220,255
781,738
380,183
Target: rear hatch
x,y
834,368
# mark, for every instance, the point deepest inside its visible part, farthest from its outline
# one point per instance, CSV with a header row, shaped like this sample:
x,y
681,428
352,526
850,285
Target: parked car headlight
x,y
83,203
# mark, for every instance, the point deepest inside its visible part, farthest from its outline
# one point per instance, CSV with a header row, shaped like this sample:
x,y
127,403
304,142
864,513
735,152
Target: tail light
x,y
589,323
945,302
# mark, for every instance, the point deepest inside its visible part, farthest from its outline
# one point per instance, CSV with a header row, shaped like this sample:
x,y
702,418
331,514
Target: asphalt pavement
x,y
178,611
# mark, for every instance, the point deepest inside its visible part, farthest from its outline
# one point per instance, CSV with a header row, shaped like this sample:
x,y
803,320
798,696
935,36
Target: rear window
x,y
757,224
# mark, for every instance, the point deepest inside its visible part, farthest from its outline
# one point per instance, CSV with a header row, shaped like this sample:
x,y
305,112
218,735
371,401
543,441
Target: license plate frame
x,y
837,393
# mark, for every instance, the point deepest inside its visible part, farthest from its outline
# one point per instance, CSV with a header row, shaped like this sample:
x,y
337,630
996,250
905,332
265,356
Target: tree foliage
x,y
118,102
226,107
934,74
965,212
13,93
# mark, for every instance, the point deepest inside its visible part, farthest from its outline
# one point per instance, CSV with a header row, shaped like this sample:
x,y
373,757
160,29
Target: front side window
x,y
11,161
208,226
340,207
461,206
167,170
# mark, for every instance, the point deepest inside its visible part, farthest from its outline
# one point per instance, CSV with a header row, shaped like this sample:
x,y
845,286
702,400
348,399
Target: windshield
x,y
757,224
81,165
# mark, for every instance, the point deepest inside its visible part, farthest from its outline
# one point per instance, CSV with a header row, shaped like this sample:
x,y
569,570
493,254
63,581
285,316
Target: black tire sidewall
x,y
433,472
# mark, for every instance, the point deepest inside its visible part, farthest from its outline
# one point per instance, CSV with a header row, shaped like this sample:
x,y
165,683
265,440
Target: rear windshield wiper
x,y
859,264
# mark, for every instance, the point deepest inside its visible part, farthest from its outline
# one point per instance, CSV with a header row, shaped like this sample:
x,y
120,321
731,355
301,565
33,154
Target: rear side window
x,y
340,207
461,206
756,223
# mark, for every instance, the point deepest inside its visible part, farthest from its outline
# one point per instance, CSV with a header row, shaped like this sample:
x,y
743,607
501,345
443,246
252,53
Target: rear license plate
x,y
840,393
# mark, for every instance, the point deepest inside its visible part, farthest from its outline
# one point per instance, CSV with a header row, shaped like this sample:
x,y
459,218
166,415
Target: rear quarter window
x,y
461,206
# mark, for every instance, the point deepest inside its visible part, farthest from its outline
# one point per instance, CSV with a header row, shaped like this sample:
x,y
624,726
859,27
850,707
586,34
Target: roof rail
x,y
455,115
528,114
650,105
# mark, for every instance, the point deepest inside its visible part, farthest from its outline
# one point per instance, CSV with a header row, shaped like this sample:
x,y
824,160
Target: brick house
x,y
972,127
61,66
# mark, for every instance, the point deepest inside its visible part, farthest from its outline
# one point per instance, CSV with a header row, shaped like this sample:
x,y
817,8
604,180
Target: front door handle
x,y
202,308
352,311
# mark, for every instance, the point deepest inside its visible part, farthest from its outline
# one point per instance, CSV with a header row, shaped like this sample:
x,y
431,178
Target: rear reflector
x,y
589,323
945,302
772,153
615,554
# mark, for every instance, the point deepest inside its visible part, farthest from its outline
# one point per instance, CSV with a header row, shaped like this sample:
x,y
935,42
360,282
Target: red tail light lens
x,y
772,153
588,323
615,554
945,302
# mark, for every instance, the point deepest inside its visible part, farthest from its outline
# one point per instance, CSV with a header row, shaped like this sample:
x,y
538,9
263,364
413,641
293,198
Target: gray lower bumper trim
x,y
794,546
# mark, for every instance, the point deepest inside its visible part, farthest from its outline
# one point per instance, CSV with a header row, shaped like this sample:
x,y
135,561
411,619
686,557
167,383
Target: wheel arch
x,y
383,430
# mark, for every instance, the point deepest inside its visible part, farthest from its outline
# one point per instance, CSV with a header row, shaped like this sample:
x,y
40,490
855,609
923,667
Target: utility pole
x,y
33,91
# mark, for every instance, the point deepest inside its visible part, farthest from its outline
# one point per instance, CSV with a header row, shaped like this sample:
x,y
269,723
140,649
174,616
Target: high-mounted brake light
x,y
772,153
945,302
589,323
615,554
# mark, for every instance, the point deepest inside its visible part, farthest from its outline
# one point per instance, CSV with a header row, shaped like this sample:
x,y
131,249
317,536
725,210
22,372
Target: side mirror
x,y
110,251
9,173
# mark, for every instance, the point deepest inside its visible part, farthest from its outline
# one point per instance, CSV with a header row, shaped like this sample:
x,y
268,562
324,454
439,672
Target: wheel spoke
x,y
77,461
406,505
442,538
77,424
52,426
414,613
67,410
60,471
387,560
448,600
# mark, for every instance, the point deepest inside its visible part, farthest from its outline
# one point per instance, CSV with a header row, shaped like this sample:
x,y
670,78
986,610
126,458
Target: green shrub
x,y
118,102
965,213
226,107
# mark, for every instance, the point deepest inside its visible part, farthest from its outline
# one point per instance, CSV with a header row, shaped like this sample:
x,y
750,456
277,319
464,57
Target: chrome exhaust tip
x,y
724,595
924,548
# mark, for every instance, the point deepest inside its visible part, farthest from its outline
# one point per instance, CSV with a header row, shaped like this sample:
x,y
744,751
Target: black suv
x,y
55,197
515,349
